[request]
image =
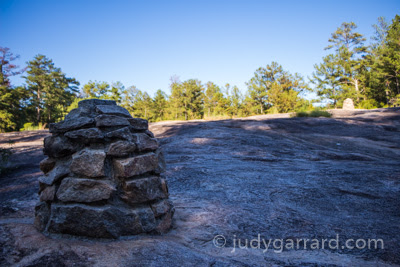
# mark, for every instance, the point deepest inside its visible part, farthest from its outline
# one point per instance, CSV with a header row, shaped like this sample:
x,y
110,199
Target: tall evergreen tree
x,y
159,105
274,87
51,92
192,98
96,89
326,79
116,92
389,58
349,47
212,95
10,96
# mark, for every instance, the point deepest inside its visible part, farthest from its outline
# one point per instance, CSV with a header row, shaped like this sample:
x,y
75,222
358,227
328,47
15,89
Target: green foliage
x,y
273,86
370,75
340,75
314,113
95,89
368,104
320,113
11,98
29,126
302,114
50,91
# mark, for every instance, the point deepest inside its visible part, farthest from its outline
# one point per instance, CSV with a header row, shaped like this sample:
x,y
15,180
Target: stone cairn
x,y
348,104
103,175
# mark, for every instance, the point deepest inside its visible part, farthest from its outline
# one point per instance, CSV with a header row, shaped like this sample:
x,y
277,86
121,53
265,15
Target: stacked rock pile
x,y
348,104
103,175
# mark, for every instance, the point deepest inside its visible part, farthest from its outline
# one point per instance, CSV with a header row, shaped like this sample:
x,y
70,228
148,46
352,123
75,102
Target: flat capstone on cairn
x,y
103,175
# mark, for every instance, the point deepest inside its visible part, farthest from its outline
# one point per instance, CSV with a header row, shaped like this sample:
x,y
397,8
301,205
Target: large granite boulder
x,y
102,177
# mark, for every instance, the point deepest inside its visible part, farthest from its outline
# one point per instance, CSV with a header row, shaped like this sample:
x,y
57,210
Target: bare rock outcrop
x,y
103,175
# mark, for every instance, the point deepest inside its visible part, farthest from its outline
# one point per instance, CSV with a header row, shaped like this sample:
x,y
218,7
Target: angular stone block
x,y
128,167
47,165
101,222
88,162
77,113
90,135
150,134
164,186
161,207
42,215
59,146
143,190
164,222
139,124
112,110
48,193
144,142
84,190
121,148
161,167
60,171
123,133
110,121
92,103
72,124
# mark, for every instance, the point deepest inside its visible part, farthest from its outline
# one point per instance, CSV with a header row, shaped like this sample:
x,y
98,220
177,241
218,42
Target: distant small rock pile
x,y
348,104
102,177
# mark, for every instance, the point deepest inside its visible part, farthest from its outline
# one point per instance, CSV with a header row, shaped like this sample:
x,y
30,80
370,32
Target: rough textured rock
x,y
123,133
348,104
56,174
48,193
47,165
42,215
59,146
139,124
161,207
92,103
91,135
227,179
85,189
145,142
112,110
161,166
121,148
110,121
133,166
102,222
88,162
71,124
77,113
143,190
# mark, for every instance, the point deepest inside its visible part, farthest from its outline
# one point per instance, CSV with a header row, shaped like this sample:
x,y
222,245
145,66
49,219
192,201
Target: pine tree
x,y
100,90
51,92
10,97
326,78
159,105
274,87
349,47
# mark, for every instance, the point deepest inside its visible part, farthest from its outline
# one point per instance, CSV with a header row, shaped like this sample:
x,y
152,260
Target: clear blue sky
x,y
144,43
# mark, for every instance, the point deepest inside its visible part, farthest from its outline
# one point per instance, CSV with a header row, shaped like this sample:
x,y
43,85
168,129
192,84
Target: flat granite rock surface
x,y
272,176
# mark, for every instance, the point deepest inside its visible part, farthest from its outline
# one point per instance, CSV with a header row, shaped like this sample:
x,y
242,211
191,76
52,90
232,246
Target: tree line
x,y
369,74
